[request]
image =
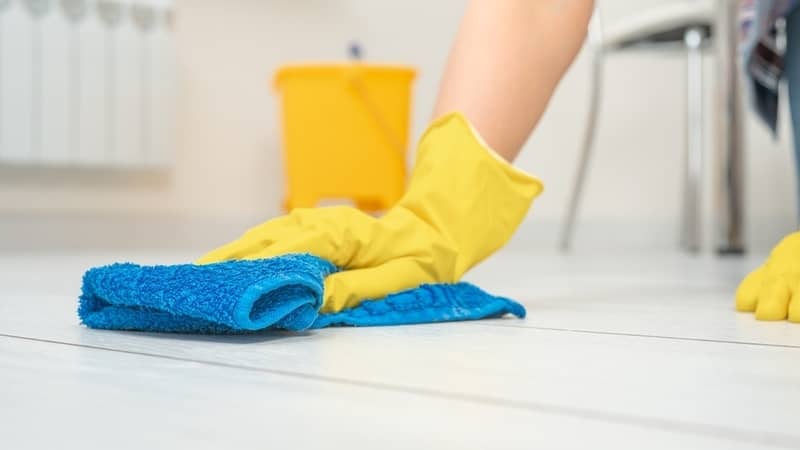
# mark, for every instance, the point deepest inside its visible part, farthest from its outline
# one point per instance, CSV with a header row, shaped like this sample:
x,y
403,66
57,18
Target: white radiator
x,y
87,83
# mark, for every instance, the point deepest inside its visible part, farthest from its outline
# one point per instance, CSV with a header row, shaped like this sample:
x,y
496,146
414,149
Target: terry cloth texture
x,y
251,295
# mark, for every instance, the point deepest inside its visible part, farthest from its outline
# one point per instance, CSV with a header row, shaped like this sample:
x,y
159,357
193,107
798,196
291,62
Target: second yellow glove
x,y
463,203
773,290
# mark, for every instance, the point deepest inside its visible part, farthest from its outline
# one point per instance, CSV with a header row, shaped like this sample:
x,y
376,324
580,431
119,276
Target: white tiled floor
x,y
618,351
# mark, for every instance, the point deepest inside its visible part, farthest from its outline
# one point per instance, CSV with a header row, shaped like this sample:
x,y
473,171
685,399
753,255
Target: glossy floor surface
x,y
617,351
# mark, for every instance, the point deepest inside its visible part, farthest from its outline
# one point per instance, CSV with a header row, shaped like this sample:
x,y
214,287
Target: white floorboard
x,y
73,397
617,352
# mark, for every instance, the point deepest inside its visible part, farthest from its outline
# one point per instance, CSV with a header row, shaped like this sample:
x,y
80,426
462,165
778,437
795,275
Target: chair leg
x,y
692,217
728,162
585,154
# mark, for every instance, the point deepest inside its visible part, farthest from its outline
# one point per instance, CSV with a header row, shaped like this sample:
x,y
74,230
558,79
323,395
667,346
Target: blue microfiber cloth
x,y
251,295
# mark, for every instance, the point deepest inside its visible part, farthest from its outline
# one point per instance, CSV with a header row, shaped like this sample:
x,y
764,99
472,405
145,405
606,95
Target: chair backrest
x,y
663,23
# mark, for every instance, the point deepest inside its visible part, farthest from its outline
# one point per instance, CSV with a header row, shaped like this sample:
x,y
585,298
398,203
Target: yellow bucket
x,y
345,133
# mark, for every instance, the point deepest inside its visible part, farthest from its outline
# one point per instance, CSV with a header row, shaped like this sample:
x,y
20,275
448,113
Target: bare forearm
x,y
507,60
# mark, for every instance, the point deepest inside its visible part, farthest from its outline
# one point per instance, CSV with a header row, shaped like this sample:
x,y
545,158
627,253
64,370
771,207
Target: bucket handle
x,y
357,83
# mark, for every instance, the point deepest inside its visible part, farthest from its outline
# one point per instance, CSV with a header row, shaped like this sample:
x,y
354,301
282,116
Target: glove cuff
x,y
462,188
527,184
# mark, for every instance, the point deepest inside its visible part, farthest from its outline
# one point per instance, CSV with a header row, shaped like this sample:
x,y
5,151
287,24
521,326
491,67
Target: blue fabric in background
x,y
792,75
766,64
252,295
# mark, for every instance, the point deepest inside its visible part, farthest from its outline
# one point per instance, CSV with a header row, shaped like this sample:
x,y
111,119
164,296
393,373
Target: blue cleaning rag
x,y
251,295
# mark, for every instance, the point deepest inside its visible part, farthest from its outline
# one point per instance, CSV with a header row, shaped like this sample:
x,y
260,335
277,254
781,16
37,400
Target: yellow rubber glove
x,y
773,290
463,203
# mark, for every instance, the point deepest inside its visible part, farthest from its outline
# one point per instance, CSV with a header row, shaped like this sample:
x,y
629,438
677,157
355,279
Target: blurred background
x,y
176,141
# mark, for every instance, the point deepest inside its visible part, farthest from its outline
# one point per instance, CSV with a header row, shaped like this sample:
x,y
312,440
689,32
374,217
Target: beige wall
x,y
228,160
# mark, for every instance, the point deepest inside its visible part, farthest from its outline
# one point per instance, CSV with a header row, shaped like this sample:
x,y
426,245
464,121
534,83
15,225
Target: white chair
x,y
688,25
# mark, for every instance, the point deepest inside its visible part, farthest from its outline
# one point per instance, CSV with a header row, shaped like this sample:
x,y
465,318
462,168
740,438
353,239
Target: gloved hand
x,y
463,202
773,290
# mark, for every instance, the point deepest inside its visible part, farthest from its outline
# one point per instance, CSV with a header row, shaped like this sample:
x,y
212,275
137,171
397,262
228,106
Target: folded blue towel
x,y
245,296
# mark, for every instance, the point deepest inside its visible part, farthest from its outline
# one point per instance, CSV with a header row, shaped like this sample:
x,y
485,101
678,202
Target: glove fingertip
x,y
335,297
774,301
748,291
746,298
